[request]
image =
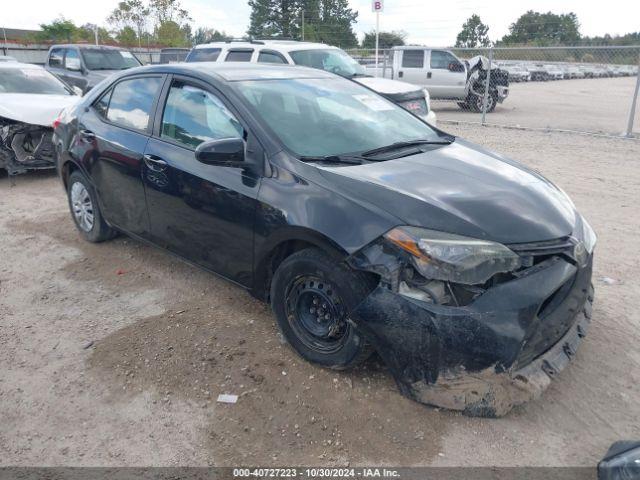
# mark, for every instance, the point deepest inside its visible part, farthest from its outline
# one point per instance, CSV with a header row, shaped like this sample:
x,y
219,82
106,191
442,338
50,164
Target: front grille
x,y
556,315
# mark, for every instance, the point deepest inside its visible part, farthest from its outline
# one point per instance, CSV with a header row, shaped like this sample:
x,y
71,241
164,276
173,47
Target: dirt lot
x,y
599,105
168,338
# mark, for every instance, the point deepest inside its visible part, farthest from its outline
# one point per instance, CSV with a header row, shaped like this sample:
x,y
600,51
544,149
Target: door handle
x,y
87,134
428,74
400,74
155,163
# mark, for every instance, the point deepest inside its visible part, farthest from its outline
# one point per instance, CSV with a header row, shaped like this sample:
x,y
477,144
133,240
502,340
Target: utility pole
x,y
377,6
303,25
95,32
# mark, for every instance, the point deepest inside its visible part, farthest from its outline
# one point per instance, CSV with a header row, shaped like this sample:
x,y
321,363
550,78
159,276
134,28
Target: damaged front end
x,y
473,325
25,147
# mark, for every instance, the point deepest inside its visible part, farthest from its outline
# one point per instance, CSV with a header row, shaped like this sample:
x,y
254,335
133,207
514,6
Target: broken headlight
x,y
453,258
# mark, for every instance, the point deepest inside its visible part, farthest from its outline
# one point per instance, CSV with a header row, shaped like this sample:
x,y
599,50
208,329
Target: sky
x,y
428,23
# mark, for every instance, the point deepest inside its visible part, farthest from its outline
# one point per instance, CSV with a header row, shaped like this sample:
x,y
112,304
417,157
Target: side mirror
x,y
74,65
77,90
223,151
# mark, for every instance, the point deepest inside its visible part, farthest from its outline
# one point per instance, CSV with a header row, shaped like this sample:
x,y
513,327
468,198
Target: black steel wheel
x,y
312,295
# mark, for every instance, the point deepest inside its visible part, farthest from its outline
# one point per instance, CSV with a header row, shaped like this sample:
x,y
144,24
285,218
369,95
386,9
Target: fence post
x,y
632,113
486,87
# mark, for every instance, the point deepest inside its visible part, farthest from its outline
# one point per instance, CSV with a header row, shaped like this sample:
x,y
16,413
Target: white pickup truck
x,y
316,55
445,76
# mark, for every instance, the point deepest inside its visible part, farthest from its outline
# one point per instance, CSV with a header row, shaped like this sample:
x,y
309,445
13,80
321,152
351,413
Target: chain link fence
x,y
582,89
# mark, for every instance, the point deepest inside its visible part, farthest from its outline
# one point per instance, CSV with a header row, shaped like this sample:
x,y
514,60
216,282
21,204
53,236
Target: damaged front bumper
x,y
499,351
25,147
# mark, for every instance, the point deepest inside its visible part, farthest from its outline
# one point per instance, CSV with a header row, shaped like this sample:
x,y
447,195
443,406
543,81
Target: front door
x,y
112,137
202,212
448,76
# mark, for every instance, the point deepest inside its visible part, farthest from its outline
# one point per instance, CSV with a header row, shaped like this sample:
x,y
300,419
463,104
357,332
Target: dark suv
x,y
364,227
84,66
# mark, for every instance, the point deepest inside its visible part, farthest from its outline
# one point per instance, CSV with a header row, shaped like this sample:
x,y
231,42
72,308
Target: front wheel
x,y
476,102
311,296
85,211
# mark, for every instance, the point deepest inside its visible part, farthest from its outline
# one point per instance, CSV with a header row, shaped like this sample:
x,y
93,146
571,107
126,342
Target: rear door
x,y
202,212
412,66
112,137
448,77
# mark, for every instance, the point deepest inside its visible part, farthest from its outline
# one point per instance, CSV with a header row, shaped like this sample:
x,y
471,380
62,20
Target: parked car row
x,y
529,71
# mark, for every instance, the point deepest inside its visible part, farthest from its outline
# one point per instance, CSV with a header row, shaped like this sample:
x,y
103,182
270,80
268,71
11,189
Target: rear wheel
x,y
85,210
476,102
311,296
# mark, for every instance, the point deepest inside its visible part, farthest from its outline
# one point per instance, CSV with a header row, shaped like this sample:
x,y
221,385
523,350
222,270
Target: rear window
x,y
203,55
239,56
30,80
132,100
270,57
413,59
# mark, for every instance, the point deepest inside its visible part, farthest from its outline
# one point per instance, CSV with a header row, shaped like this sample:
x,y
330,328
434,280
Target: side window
x,y
203,55
413,58
72,60
440,59
56,57
102,106
239,56
192,116
132,100
270,57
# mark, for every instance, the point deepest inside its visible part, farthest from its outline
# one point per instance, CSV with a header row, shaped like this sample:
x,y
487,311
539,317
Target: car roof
x,y
238,71
86,45
20,66
281,45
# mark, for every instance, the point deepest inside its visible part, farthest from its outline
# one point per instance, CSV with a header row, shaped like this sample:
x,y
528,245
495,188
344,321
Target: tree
x,y
474,34
541,29
127,36
132,14
168,11
385,39
60,30
208,35
171,34
328,21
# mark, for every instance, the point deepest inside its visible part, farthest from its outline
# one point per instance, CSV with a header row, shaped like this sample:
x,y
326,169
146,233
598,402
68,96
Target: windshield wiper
x,y
401,145
346,159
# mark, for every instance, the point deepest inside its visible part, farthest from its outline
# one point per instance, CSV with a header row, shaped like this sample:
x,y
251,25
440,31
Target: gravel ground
x,y
597,105
114,354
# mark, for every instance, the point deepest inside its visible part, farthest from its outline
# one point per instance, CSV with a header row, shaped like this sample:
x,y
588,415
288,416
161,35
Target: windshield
x,y
332,60
331,116
30,80
99,59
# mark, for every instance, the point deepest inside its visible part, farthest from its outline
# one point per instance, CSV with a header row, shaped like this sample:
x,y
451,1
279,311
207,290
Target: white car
x,y
316,55
6,58
30,100
447,77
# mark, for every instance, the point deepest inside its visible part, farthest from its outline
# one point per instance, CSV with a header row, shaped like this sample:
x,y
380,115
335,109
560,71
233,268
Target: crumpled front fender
x,y
469,358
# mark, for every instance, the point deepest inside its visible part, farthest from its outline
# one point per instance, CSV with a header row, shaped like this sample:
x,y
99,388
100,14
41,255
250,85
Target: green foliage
x,y
60,30
171,34
385,40
127,36
208,35
543,29
474,34
327,21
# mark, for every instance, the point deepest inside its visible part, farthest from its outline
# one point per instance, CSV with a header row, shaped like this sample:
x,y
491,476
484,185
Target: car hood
x,y
385,86
462,189
34,108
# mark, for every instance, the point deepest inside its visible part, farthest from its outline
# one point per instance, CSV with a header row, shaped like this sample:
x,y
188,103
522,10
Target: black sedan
x,y
364,227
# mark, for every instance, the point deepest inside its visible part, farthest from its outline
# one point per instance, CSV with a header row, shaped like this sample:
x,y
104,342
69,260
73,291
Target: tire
x,y
476,102
85,211
311,295
464,105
